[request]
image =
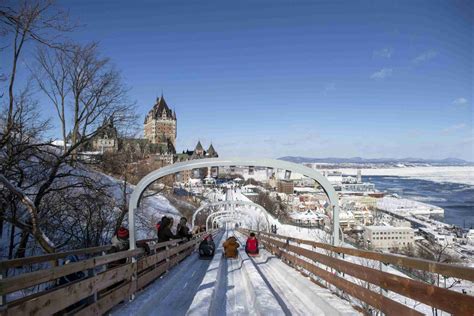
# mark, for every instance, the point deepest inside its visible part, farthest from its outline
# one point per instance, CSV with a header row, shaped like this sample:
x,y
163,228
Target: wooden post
x,y
92,273
3,298
134,277
167,247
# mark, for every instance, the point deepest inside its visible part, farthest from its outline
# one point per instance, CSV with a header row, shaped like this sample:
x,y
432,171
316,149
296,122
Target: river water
x,y
456,199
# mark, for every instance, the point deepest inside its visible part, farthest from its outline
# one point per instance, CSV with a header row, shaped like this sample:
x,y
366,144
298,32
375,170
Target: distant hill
x,y
382,161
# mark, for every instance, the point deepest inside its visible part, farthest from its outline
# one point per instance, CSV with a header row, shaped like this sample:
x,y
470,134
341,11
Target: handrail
x,y
431,295
13,263
446,269
124,278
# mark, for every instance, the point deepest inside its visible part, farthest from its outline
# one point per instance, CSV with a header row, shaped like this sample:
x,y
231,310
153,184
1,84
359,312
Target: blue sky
x,y
308,78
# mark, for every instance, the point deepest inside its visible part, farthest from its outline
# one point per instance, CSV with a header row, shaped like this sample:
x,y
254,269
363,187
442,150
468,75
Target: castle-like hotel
x,y
159,142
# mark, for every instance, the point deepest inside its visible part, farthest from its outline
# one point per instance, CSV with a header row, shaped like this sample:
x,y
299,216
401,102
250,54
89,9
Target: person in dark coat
x,y
165,233
73,276
158,225
207,247
183,230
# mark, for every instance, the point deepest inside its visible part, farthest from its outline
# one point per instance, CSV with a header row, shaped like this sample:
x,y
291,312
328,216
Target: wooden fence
x,y
109,278
327,263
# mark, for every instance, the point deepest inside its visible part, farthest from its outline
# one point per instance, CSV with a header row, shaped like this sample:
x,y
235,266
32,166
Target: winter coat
x,y
251,245
164,233
183,231
230,247
118,245
207,248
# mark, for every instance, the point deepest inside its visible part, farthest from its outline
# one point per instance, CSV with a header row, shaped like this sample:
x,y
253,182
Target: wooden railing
x,y
326,262
106,283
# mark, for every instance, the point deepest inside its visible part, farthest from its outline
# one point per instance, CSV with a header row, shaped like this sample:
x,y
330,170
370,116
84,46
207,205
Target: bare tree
x,y
37,21
78,76
52,77
35,174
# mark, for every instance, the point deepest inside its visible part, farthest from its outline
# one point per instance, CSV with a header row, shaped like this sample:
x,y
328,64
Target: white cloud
x,y
460,101
454,128
382,74
430,54
383,53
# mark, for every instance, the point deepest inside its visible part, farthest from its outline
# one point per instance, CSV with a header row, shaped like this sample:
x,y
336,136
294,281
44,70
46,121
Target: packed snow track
x,y
262,285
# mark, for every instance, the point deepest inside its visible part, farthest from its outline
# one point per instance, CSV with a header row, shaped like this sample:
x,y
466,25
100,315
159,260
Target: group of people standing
x,y
165,233
206,247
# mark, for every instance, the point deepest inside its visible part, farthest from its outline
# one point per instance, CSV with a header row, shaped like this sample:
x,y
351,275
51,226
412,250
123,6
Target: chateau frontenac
x,y
160,129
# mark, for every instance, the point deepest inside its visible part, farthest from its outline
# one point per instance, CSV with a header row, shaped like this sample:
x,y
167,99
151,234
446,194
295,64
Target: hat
x,y
122,233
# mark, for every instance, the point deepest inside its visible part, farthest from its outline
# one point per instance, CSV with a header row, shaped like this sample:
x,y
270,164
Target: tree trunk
x,y
20,252
44,242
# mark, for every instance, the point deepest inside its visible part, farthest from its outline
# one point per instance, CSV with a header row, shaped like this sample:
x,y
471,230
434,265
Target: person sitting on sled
x,y
251,246
230,247
207,247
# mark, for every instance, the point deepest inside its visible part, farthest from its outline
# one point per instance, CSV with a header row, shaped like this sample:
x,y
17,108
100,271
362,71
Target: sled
x,y
230,258
253,254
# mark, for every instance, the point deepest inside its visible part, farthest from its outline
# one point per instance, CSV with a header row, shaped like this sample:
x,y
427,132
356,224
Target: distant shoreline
x,y
452,174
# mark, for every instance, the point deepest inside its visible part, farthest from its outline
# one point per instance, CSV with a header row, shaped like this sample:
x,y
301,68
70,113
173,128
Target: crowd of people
x,y
164,229
120,242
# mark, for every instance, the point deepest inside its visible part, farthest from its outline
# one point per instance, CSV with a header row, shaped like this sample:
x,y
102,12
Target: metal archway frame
x,y
221,162
236,212
235,203
229,217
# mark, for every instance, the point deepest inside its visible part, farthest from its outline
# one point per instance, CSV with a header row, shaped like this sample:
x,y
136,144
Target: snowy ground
x,y
262,285
244,286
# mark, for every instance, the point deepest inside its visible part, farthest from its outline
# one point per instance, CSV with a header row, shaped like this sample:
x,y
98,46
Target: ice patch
x,y
462,175
427,198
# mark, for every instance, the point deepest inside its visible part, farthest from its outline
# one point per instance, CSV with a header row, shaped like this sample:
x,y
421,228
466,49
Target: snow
x,y
453,174
298,294
260,285
244,286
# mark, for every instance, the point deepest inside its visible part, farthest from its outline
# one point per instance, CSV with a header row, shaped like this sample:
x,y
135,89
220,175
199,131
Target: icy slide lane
x,y
296,294
171,294
262,285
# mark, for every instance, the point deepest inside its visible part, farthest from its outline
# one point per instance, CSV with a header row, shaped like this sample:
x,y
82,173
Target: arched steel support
x,y
221,162
241,212
227,217
232,203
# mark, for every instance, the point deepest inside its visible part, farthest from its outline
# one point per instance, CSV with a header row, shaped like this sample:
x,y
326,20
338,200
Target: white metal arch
x,y
258,207
240,212
221,162
227,217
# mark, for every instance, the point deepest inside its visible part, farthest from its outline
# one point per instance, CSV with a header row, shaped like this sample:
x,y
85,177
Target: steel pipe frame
x,y
221,162
226,217
225,203
233,212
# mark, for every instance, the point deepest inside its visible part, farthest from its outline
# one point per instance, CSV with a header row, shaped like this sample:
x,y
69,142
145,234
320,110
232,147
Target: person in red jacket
x,y
251,247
